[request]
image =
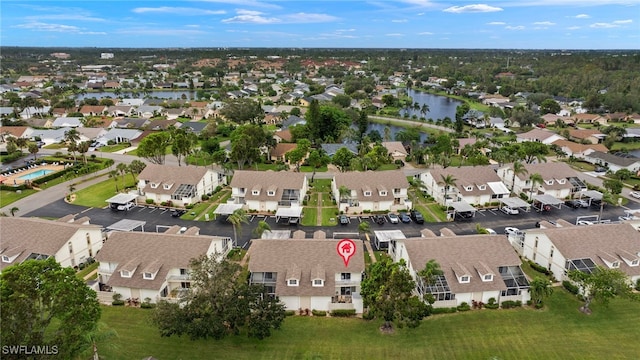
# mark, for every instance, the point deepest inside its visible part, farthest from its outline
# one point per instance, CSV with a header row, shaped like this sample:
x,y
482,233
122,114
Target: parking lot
x,y
157,219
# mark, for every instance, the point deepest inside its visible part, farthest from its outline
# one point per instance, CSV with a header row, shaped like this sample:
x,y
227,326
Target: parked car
x,y
597,203
178,212
393,218
343,219
573,204
600,169
511,230
583,203
417,216
635,194
126,207
585,222
379,219
491,231
509,210
405,218
293,220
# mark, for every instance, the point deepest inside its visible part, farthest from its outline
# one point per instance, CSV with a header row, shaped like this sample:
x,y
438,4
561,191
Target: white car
x,y
511,230
127,207
583,203
509,210
635,194
585,222
393,218
491,231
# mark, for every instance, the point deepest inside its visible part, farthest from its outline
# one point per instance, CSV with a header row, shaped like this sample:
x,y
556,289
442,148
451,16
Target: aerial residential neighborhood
x,y
390,200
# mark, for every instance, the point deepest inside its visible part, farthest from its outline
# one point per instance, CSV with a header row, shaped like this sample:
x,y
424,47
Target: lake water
x,y
393,131
439,106
190,95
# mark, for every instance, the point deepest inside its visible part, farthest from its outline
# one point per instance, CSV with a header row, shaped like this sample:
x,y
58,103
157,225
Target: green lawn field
x,y
559,331
95,195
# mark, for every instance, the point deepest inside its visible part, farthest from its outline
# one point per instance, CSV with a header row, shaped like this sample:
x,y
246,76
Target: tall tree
x,y
46,304
242,110
219,305
122,169
539,289
601,285
83,148
517,168
154,147
447,182
71,138
363,123
387,291
342,158
536,179
237,218
34,149
135,168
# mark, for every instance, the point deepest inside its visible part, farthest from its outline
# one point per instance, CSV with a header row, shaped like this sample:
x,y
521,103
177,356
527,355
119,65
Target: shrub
x,y
571,287
492,304
147,305
188,206
304,202
204,197
539,268
368,315
150,201
637,287
344,313
117,303
444,310
463,307
289,312
319,312
511,304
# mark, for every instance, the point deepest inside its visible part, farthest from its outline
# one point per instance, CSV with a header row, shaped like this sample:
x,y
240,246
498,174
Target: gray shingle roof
x,y
167,174
468,176
266,180
373,181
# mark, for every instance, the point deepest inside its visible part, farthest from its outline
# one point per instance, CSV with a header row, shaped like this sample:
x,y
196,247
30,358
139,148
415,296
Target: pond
x,y
393,131
439,106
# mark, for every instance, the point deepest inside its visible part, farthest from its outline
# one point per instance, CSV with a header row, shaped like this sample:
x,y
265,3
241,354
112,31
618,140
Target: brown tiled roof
x,y
263,180
394,146
537,134
15,131
466,176
96,109
578,148
580,242
310,257
167,174
473,254
25,236
374,181
551,171
583,133
284,135
147,250
282,148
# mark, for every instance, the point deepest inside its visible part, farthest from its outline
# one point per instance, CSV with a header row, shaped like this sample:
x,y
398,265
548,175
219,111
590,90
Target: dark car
x,y
598,203
378,219
572,204
343,219
405,218
417,216
177,213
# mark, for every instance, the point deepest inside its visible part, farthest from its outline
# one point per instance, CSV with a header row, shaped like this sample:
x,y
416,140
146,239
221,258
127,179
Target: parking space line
x,y
164,211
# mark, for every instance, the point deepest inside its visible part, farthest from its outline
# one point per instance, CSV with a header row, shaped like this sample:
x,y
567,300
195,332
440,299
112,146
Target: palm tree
x,y
121,169
72,188
71,138
517,168
446,182
237,218
416,185
262,227
33,149
387,133
21,143
113,174
535,180
364,227
135,168
14,210
424,109
344,193
539,289
430,273
82,148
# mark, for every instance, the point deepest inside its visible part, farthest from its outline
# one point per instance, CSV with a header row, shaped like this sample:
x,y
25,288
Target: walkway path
x,y
221,195
367,245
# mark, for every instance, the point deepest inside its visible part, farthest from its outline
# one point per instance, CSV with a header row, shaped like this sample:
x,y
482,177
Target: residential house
x,y
163,124
472,184
614,162
120,110
279,152
588,119
591,136
308,273
173,114
132,123
93,110
555,175
268,190
195,126
475,268
283,135
180,185
371,191
396,150
539,135
39,122
131,102
550,119
15,132
72,122
71,242
149,111
566,248
293,120
140,265
41,111
50,136
579,150
331,149
117,136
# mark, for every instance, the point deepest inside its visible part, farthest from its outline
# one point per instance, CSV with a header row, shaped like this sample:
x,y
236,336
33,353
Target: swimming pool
x,y
35,174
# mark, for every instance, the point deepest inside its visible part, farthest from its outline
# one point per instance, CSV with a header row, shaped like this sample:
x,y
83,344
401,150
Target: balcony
x,y
347,283
179,278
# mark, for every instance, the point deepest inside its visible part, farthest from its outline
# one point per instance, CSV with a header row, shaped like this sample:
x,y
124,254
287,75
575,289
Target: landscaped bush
x,y
492,304
511,304
444,310
204,197
117,300
571,287
463,307
368,315
189,206
319,313
150,201
343,313
289,312
14,188
146,304
539,268
637,287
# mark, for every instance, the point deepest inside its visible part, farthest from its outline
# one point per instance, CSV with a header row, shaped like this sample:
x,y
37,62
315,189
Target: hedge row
x,y
343,313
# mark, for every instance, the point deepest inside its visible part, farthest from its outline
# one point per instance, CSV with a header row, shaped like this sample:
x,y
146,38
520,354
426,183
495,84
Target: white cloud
x,y
305,18
345,30
418,2
425,33
573,28
162,32
251,3
628,21
544,23
251,19
473,8
74,17
603,25
394,34
248,12
582,16
399,21
256,17
520,27
40,26
177,10
497,23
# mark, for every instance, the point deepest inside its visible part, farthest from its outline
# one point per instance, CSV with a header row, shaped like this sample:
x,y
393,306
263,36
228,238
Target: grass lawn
x,y
84,272
559,331
329,216
306,168
309,216
7,197
95,195
313,199
426,214
322,185
114,148
626,146
435,208
387,167
196,211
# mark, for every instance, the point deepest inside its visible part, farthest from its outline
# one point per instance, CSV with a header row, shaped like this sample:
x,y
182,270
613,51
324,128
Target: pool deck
x,y
13,178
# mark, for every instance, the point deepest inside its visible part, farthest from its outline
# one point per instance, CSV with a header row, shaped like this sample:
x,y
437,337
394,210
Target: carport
x,y
226,209
514,203
384,237
276,234
127,225
121,199
591,194
462,207
290,212
545,202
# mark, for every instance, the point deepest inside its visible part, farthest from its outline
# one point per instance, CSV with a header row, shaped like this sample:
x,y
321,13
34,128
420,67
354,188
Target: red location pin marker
x,y
346,248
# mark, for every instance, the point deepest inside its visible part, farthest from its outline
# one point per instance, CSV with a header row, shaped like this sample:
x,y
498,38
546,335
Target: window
x,y
367,193
551,252
268,275
185,285
70,248
154,185
125,273
318,282
469,188
167,186
183,272
88,239
6,259
634,262
396,191
148,276
464,279
383,193
293,282
345,276
482,187
255,192
488,277
615,264
271,193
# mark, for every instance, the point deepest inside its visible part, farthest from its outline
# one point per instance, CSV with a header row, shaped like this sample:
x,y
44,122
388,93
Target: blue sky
x,y
522,24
